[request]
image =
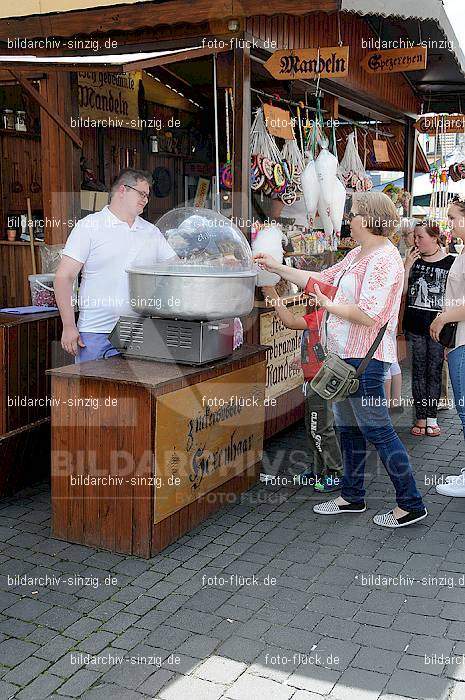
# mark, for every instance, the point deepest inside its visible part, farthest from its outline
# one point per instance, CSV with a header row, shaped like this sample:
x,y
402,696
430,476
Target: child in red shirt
x,y
325,473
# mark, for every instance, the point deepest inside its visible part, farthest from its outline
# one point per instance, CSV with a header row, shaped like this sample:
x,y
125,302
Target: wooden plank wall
x,y
27,350
15,267
321,29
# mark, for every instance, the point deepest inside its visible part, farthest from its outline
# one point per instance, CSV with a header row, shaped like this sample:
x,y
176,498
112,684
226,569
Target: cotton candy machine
x,y
188,294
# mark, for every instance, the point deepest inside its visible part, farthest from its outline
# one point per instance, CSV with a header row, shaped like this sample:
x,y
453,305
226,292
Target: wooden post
x,y
242,123
61,176
409,154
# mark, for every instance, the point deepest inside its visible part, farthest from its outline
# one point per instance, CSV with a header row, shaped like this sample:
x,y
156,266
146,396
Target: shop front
x,y
225,111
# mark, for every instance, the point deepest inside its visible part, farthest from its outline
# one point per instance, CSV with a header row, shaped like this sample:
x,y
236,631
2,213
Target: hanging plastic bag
x,y
311,191
337,206
351,170
326,168
325,217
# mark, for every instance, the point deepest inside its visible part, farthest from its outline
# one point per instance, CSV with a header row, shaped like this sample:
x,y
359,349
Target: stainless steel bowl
x,y
191,295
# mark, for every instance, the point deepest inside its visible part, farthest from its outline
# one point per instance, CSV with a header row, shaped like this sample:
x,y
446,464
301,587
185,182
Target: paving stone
x,y
26,671
7,690
16,628
418,685
55,648
27,609
120,622
379,660
384,602
194,621
382,639
13,651
422,664
82,628
360,684
316,679
167,637
78,684
110,691
251,686
240,649
156,682
420,624
199,646
192,688
96,642
58,618
328,606
41,687
220,670
130,638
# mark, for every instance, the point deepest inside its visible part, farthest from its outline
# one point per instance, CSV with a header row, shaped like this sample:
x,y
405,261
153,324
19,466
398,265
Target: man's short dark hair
x,y
130,177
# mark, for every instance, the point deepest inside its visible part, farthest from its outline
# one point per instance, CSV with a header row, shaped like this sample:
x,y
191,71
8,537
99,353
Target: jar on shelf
x,y
8,118
20,121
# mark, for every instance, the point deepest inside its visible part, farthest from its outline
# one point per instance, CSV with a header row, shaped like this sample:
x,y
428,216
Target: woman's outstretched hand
x,y
267,262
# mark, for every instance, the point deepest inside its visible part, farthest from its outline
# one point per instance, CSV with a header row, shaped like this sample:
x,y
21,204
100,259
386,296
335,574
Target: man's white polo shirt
x,y
107,246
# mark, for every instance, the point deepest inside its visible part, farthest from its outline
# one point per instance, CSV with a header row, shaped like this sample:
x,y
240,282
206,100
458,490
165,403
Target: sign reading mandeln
x,y
395,60
109,99
294,64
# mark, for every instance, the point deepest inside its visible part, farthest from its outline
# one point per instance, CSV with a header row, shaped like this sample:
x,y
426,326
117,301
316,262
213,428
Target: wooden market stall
x,y
224,43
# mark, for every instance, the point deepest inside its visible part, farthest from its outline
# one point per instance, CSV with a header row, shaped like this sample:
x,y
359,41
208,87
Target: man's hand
x,y
70,340
267,262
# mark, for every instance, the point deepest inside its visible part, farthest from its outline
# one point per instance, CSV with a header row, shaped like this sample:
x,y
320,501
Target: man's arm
x,y
67,272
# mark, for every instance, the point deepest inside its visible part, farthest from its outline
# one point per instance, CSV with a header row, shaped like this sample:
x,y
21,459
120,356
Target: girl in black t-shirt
x,y
426,270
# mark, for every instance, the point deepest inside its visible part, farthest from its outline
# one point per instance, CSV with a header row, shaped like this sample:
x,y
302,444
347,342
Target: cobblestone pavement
x,y
263,600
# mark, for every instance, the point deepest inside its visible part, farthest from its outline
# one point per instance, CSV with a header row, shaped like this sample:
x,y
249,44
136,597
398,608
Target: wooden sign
x,y
278,122
206,434
285,345
381,151
293,64
201,193
395,60
441,123
109,99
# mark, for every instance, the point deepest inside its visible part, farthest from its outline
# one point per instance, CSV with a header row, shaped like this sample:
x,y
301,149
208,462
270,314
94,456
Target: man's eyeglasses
x,y
351,216
141,193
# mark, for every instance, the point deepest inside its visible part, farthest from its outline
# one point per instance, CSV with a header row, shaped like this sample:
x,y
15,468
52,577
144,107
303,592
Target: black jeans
x,y
427,362
325,451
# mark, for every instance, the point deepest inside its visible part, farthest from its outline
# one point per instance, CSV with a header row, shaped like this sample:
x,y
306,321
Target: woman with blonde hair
x,y
369,283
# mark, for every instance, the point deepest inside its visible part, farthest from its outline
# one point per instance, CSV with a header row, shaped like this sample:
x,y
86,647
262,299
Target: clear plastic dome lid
x,y
203,242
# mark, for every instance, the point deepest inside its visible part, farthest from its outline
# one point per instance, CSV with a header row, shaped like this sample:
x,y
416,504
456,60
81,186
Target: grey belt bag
x,y
337,379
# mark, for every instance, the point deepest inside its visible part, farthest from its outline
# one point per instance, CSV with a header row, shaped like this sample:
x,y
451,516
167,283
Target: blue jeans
x,y
456,362
363,417
97,346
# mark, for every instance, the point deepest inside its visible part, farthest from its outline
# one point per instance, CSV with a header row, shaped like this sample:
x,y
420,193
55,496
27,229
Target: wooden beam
x,y
130,17
61,176
242,124
27,87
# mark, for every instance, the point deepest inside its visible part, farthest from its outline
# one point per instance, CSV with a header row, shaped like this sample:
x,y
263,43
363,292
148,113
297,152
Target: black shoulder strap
x,y
363,365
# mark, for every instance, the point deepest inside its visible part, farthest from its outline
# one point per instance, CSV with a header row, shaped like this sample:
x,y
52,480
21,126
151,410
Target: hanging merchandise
x,y
351,170
226,170
311,191
337,211
457,166
439,176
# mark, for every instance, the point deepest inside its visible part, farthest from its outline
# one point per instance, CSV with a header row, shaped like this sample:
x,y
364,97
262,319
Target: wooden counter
x,y
173,456
29,345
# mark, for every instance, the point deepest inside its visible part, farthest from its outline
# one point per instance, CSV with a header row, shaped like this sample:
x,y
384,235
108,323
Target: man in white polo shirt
x,y
104,245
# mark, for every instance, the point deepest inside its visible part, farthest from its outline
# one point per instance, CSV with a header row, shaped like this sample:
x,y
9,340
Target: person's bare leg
x,y
396,390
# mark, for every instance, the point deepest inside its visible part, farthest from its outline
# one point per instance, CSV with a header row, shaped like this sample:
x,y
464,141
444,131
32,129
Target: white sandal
x,y
332,508
388,519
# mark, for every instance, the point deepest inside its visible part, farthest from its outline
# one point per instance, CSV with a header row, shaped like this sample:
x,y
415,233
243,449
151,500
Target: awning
x,y
111,62
442,85
395,146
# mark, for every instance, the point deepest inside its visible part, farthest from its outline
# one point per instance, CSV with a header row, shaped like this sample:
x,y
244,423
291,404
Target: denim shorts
x,y
97,346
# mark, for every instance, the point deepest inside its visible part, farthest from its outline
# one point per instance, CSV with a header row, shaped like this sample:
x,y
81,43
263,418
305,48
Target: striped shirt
x,y
375,284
